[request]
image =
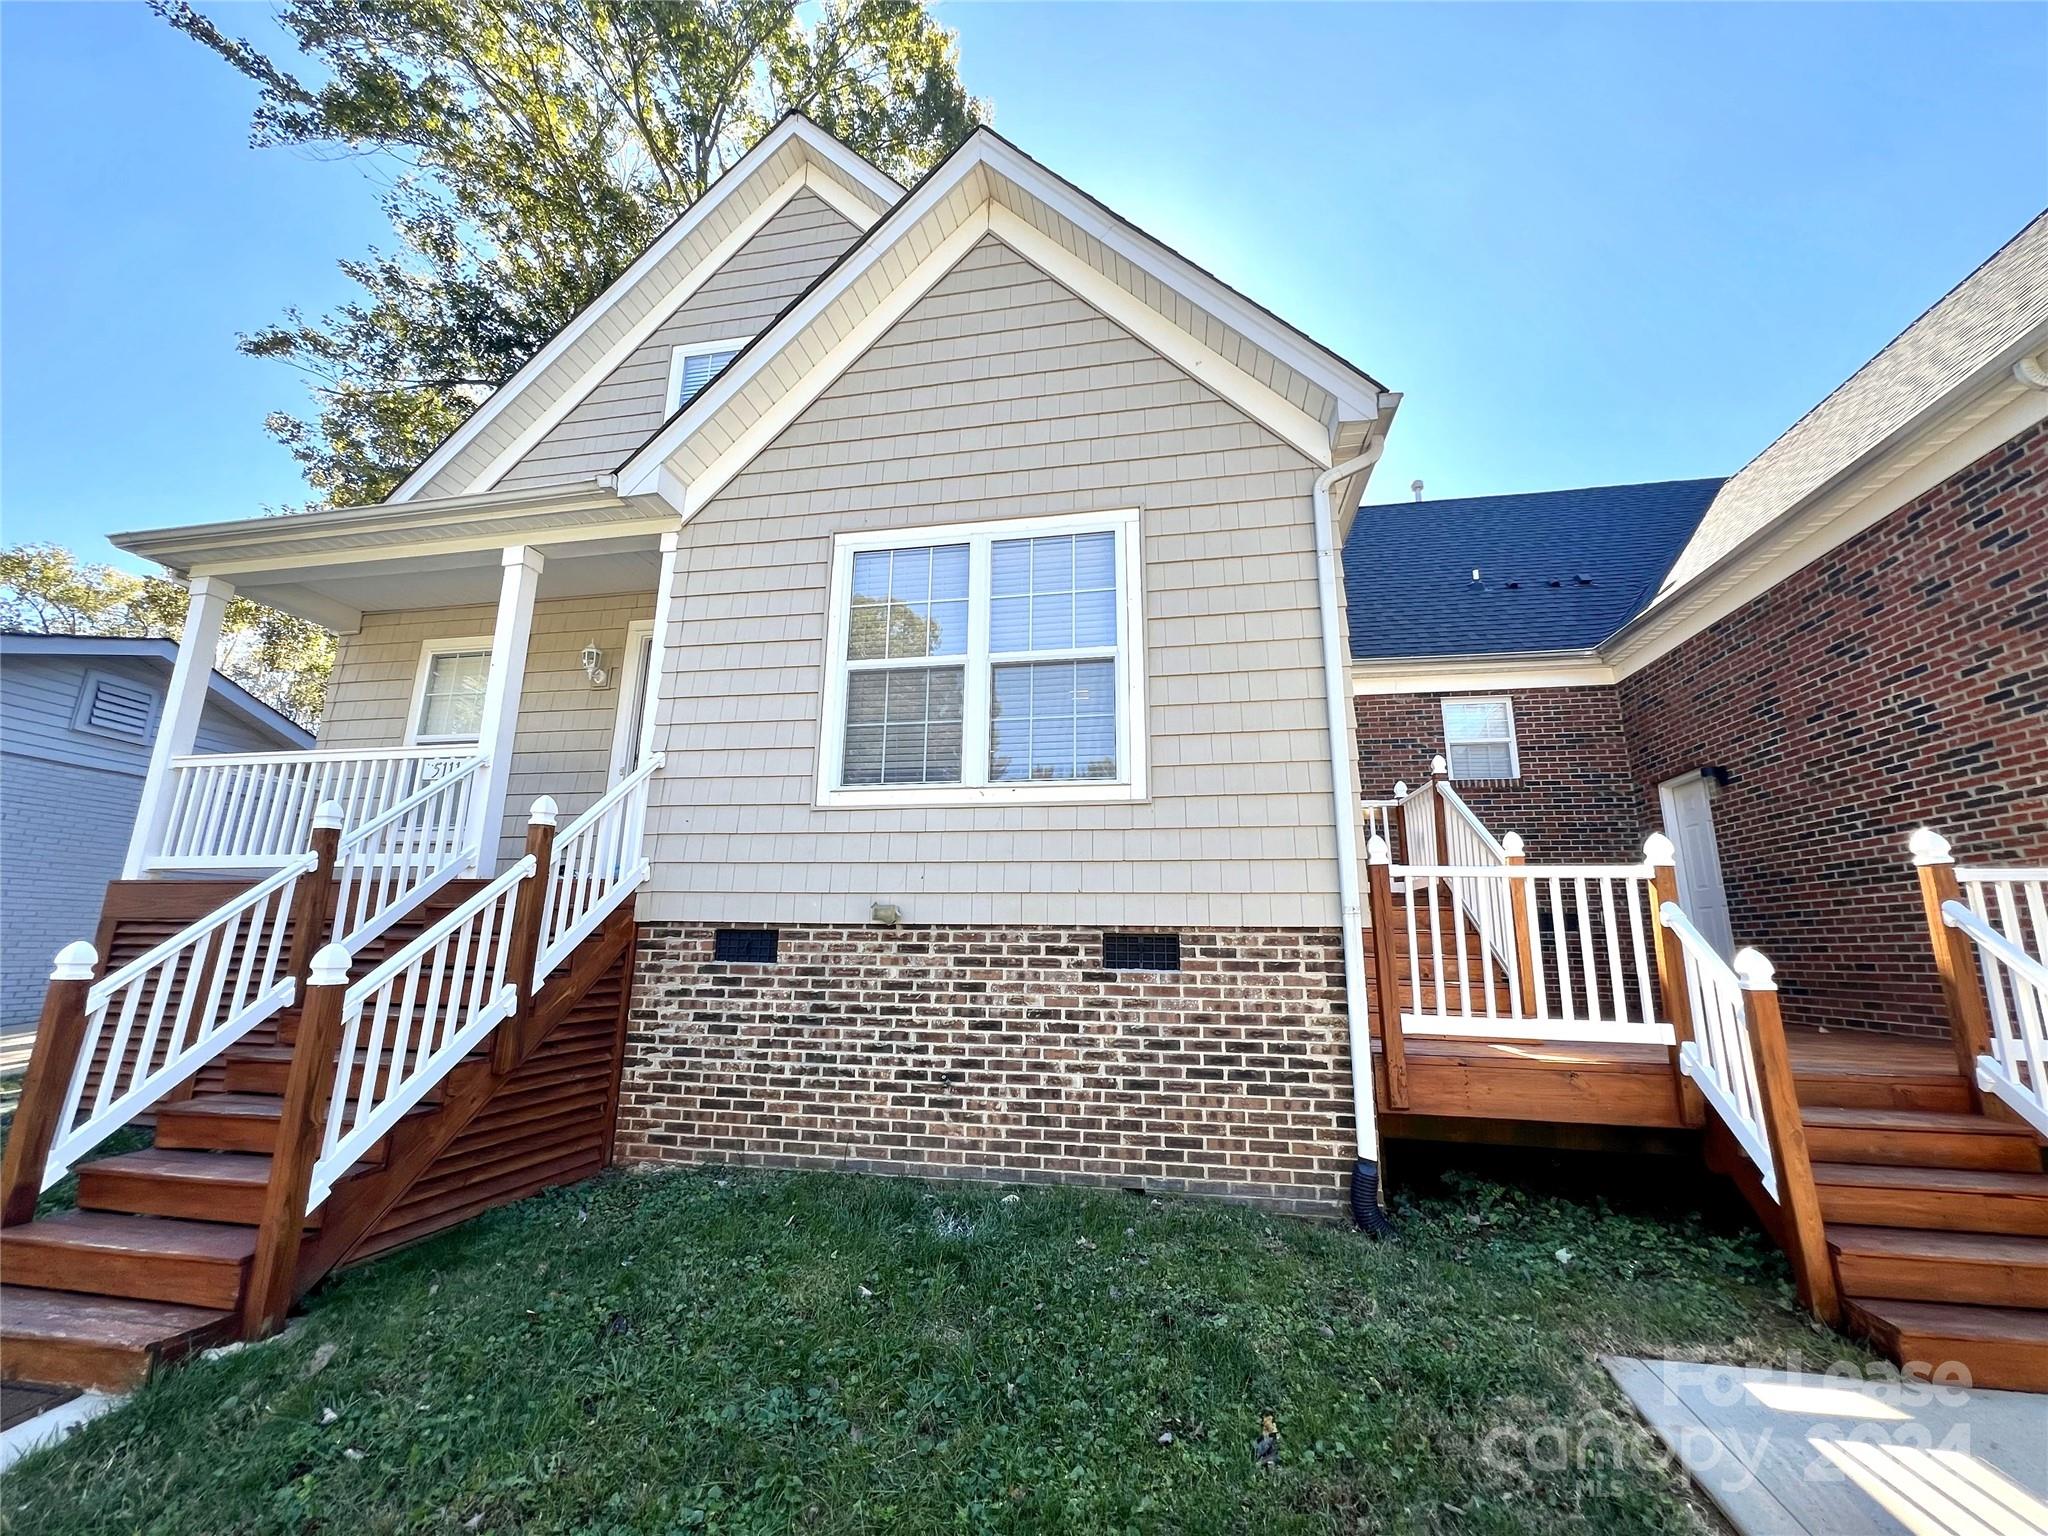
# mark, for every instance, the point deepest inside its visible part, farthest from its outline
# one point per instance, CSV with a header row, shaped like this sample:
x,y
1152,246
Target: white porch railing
x,y
412,1018
165,1014
247,810
600,859
1720,1057
2014,901
2016,988
1586,928
394,861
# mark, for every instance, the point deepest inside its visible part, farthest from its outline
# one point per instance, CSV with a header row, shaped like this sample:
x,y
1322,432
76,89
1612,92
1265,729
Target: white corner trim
x,y
712,263
1480,674
1308,436
1133,718
428,650
1791,544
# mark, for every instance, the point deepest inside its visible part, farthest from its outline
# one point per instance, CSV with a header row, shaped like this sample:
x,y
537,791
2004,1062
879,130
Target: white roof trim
x,y
791,129
1358,397
1480,674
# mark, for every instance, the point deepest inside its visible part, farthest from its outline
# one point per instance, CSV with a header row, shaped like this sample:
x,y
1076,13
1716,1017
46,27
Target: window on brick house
x,y
988,662
1479,739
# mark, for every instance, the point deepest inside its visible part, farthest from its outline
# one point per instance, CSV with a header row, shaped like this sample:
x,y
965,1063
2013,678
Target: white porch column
x,y
657,656
509,638
177,728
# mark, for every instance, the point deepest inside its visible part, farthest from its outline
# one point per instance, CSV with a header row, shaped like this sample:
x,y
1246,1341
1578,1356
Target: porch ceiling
x,y
338,594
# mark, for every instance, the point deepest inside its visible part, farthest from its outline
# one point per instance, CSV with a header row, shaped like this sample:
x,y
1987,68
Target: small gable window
x,y
695,364
1479,739
115,706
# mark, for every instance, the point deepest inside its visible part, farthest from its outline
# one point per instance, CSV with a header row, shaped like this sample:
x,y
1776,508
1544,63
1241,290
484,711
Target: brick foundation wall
x,y
1575,801
1000,1053
1900,680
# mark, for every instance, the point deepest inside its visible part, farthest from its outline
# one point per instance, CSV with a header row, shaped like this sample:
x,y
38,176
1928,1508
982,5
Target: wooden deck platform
x,y
1456,1087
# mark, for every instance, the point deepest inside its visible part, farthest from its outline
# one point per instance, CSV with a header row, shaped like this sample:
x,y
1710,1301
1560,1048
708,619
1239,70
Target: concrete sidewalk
x,y
1786,1453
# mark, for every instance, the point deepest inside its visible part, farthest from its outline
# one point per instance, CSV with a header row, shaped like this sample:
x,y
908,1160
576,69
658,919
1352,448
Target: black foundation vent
x,y
1141,951
744,946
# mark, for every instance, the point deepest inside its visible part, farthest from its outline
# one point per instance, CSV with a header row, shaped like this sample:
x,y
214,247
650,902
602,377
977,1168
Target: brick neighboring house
x,y
1790,670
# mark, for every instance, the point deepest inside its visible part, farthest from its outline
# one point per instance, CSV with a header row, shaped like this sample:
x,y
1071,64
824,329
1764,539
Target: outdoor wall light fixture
x,y
594,667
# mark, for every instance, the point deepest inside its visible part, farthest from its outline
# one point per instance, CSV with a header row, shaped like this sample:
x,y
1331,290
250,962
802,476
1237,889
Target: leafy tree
x,y
537,146
285,661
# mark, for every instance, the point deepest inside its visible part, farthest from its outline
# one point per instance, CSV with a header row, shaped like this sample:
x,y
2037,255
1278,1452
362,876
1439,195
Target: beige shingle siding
x,y
564,741
750,290
1000,394
610,324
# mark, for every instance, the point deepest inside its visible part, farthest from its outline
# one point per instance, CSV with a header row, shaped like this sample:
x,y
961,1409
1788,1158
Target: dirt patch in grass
x,y
754,1352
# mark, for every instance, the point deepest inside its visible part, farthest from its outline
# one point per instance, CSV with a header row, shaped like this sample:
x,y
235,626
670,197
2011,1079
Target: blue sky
x,y
1590,244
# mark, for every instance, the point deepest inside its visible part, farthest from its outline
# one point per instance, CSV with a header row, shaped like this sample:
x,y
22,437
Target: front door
x,y
635,688
1689,822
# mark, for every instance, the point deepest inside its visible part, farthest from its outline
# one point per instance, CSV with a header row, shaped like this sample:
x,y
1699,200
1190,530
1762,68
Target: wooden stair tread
x,y
249,1106
1944,1122
1935,1247
241,1168
74,1317
1942,1320
111,1232
1959,1181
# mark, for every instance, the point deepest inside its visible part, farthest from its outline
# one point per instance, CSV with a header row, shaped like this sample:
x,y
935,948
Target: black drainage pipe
x,y
1366,1214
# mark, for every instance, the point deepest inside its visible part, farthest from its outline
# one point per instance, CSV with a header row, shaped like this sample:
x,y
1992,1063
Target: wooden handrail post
x,y
1379,887
314,897
1969,1026
1518,910
1806,1239
1662,856
510,1045
60,1032
269,1293
1440,775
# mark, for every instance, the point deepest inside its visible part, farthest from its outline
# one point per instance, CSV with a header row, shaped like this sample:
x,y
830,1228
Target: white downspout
x,y
1343,773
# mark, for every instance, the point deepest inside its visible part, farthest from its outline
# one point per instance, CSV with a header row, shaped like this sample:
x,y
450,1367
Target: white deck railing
x,y
600,859
1720,1057
2016,988
2014,901
249,810
165,1014
407,1022
1587,928
393,862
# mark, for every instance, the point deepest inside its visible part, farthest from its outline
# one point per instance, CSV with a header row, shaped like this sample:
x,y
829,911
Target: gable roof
x,y
164,654
1973,334
794,153
1558,570
988,185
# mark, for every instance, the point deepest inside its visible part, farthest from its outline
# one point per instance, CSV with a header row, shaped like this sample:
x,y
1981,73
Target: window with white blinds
x,y
695,364
986,662
1479,739
115,706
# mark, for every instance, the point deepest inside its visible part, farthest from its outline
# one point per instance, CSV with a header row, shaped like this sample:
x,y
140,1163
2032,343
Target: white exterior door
x,y
1689,822
634,688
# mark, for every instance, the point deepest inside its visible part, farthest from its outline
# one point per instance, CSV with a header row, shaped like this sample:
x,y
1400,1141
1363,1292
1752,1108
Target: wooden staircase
x,y
491,1086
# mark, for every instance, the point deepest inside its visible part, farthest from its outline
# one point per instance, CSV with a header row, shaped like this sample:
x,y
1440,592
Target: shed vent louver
x,y
1141,951
112,707
744,946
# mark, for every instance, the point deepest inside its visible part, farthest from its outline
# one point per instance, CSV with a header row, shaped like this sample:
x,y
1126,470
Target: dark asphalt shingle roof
x,y
1558,570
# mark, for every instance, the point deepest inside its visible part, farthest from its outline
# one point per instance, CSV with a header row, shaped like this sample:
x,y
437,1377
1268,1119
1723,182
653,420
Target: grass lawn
x,y
754,1352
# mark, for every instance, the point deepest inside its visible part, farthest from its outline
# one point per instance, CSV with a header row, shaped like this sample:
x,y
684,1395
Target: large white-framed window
x,y
986,663
448,691
1479,738
694,364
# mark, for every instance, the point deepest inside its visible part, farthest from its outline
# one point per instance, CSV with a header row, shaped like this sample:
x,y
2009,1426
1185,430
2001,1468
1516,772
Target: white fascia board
x,y
425,547
1782,548
815,141
1481,674
1357,396
1264,405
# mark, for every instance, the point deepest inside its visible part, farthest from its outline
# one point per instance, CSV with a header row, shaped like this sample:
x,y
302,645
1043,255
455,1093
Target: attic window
x,y
695,364
1479,738
114,706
